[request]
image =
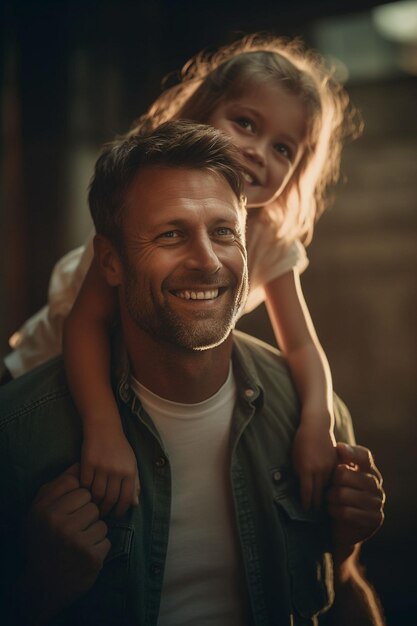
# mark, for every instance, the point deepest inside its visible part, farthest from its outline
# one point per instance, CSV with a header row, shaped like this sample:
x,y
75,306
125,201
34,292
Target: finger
x,y
126,498
359,456
86,475
95,533
55,489
111,496
101,549
348,483
344,496
98,487
71,502
94,553
306,490
84,517
357,519
346,476
73,470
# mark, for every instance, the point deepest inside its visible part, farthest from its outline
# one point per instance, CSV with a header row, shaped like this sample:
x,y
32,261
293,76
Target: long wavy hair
x,y
209,79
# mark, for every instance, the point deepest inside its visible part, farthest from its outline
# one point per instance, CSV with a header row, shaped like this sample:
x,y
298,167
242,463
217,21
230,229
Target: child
x,y
283,110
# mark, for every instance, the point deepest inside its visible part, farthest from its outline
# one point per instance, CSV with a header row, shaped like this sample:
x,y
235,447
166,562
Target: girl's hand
x,y
109,470
314,458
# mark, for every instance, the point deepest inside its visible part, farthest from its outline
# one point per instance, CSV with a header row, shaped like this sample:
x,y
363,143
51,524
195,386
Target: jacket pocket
x,y
106,603
120,536
309,560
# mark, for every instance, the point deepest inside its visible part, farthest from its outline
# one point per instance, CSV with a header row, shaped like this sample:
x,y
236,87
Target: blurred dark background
x,y
75,74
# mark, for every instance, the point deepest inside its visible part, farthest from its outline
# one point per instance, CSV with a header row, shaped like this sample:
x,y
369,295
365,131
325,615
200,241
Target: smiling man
x,y
183,280
219,536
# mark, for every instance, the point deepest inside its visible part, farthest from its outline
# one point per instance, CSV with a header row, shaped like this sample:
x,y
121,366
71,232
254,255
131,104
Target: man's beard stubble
x,y
164,324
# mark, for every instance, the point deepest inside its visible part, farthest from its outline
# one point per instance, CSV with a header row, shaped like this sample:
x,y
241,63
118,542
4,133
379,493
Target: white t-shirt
x,y
40,338
203,575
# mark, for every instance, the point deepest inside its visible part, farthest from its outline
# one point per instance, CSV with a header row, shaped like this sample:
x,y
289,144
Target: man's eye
x,y
285,150
170,234
245,123
224,232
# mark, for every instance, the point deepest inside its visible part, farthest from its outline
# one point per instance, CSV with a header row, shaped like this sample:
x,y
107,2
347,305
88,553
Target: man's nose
x,y
201,255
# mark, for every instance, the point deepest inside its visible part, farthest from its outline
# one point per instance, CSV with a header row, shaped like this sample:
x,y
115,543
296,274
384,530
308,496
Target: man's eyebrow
x,y
168,224
226,220
230,216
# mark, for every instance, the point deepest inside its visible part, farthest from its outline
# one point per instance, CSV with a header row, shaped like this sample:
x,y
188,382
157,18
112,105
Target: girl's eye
x,y
245,123
283,149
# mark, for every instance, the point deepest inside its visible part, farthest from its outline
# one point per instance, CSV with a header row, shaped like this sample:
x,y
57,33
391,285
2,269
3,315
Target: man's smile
x,y
197,294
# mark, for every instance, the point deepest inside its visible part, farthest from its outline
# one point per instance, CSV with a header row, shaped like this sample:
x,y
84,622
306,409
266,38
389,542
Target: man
x,y
219,536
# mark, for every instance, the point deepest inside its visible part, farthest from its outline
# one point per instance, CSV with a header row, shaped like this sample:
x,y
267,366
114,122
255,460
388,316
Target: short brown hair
x,y
177,144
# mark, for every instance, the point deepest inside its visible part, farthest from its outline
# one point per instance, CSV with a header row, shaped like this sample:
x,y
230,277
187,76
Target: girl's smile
x,y
267,123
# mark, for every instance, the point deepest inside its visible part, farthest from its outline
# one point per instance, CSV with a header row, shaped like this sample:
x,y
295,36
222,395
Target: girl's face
x,y
267,123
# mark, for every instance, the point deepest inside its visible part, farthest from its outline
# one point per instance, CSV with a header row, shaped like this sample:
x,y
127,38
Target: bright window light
x,y
397,21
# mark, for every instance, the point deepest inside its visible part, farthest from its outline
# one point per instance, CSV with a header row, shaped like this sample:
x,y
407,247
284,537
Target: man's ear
x,y
108,261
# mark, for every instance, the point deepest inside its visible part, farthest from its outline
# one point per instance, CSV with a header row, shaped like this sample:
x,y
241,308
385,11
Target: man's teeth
x,y
248,178
198,295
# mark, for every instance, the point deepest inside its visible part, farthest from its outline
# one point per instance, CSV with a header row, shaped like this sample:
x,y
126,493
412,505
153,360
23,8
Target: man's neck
x,y
179,375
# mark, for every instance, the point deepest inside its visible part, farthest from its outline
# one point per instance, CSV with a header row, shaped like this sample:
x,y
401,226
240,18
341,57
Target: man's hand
x,y
65,544
355,499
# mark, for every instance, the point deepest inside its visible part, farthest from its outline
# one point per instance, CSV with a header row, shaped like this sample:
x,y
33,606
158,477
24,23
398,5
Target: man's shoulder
x,y
259,355
264,365
269,366
41,386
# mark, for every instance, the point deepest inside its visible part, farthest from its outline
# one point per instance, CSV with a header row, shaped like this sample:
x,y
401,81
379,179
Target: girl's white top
x,y
40,337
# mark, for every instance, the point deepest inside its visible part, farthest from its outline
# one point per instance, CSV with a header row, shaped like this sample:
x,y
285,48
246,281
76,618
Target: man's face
x,y
184,260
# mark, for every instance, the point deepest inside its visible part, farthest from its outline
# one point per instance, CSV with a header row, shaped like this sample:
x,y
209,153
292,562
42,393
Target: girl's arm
x,y
108,465
314,454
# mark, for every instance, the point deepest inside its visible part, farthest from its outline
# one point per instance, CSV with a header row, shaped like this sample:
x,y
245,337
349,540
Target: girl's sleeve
x,y
40,337
268,258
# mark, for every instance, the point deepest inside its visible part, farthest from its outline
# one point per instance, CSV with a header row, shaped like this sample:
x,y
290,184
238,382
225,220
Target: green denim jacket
x,y
284,549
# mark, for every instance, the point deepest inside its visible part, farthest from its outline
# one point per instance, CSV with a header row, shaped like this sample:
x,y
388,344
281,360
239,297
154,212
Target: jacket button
x,y
160,462
277,476
249,393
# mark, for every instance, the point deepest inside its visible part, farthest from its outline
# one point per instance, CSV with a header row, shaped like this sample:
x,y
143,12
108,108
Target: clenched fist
x,y
65,543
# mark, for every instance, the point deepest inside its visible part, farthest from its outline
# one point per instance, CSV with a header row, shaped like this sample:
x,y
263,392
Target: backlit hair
x,y
210,79
179,144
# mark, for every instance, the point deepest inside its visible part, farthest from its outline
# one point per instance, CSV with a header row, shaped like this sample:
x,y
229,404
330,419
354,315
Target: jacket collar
x,y
249,385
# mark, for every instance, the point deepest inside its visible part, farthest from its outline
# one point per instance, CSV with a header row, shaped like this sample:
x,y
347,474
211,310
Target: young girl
x,y
281,107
